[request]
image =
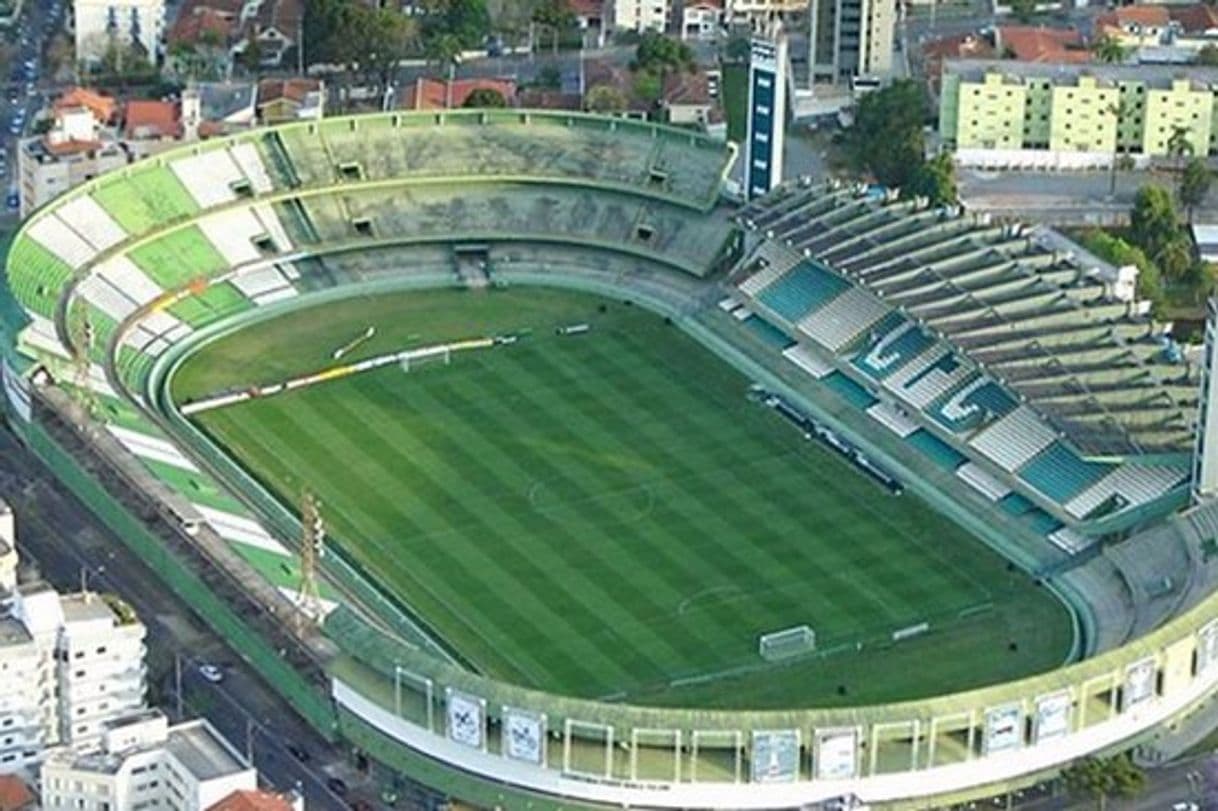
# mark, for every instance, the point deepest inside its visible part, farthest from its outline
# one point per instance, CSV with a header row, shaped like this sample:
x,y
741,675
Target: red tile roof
x,y
588,8
152,119
1147,16
1029,43
296,90
685,88
253,800
960,46
102,106
549,100
197,17
1194,19
432,94
14,793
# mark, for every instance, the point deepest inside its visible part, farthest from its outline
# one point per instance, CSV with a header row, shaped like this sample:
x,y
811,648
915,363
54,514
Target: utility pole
x,y
177,684
312,548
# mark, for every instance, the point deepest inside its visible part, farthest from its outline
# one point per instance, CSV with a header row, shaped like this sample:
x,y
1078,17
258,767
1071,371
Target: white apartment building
x,y
144,763
640,15
759,13
100,23
68,663
76,149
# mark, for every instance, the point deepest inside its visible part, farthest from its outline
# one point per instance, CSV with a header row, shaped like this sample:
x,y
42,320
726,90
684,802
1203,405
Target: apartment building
x,y
1076,109
759,13
640,15
145,763
101,24
850,38
68,663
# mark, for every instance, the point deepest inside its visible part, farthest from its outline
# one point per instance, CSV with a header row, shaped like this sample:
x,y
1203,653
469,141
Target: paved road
x,y
1064,197
68,545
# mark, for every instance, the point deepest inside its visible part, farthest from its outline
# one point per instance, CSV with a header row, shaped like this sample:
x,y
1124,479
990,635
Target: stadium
x,y
513,452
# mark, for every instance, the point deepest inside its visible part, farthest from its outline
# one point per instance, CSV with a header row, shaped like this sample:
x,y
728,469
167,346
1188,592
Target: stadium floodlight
x,y
787,643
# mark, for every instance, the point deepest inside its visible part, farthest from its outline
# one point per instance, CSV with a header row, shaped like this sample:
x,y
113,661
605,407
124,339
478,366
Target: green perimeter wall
x,y
177,575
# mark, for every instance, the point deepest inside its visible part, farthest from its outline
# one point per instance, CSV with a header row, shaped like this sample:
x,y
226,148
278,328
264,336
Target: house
x,y
686,98
147,120
1134,26
603,73
217,32
532,99
702,19
281,100
440,94
959,46
1030,43
104,108
222,107
258,800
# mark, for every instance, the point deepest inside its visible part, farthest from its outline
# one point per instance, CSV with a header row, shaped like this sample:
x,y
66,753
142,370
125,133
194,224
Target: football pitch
x,y
608,514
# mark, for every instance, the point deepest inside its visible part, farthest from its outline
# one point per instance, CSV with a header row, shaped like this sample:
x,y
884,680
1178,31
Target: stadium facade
x,y
996,371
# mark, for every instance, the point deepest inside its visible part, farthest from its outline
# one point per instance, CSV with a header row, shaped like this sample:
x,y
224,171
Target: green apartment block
x,y
1134,109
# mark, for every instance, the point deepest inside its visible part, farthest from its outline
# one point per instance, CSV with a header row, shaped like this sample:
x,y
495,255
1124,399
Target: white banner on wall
x,y
524,736
466,719
836,754
1053,716
1003,729
1139,682
776,756
1207,647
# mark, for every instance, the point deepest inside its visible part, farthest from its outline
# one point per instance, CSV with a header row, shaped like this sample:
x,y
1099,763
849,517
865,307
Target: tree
x,y
648,86
466,20
888,140
548,77
935,179
485,97
659,53
1178,144
1194,185
1119,252
1023,10
604,98
1116,776
1153,222
1208,55
556,15
388,37
1108,49
1175,258
738,49
250,57
445,53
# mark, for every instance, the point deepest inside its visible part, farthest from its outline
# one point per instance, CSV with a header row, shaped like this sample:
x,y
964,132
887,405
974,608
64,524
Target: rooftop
x,y
152,119
1029,43
15,794
253,800
1155,75
433,94
199,748
102,106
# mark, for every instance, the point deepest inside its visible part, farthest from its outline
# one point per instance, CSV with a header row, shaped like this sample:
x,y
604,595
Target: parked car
x,y
212,673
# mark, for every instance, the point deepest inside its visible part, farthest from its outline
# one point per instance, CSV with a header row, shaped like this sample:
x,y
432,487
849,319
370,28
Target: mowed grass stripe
x,y
611,602
444,581
609,512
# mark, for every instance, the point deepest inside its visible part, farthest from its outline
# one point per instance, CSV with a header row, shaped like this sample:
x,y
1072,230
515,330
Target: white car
x,y
1186,807
212,673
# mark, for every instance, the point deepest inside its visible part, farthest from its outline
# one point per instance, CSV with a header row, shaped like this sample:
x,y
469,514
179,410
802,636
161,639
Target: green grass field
x,y
609,515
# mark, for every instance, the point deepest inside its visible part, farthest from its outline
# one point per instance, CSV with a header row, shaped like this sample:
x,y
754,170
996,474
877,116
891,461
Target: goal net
x,y
787,643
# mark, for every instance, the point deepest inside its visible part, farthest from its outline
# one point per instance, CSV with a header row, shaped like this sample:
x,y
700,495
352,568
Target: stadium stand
x,y
999,335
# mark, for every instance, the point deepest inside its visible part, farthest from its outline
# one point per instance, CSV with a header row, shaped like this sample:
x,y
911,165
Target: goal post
x,y
787,643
